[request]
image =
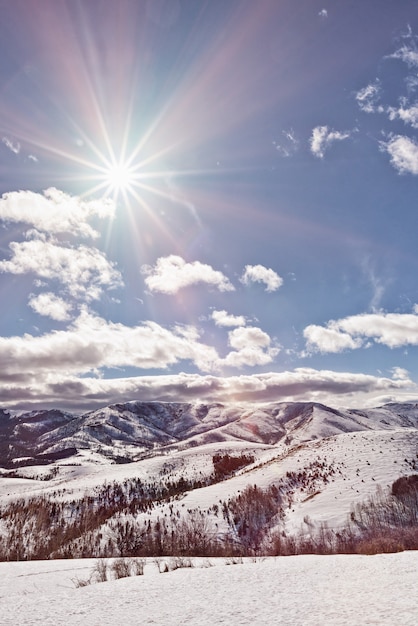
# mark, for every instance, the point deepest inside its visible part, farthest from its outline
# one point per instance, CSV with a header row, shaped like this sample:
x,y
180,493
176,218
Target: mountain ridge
x,y
128,431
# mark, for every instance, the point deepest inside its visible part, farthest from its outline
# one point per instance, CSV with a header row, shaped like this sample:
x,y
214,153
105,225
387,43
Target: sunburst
x,y
120,177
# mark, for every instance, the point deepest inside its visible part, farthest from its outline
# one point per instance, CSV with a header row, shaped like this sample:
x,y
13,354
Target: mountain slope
x,y
131,430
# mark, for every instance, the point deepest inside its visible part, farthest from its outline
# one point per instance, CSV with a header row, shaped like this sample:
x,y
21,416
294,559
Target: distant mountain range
x,y
131,431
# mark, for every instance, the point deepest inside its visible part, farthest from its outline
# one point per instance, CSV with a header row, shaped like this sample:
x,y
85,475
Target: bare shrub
x,y
121,568
162,565
234,560
379,545
99,572
81,582
179,562
137,566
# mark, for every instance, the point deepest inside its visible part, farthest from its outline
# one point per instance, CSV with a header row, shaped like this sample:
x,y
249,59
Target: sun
x,y
120,177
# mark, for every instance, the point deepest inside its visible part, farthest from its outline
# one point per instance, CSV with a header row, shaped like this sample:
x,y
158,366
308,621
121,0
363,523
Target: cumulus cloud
x,y
390,329
251,347
323,13
328,339
54,211
403,153
322,138
172,273
240,338
302,384
222,318
91,343
83,271
52,306
261,274
368,97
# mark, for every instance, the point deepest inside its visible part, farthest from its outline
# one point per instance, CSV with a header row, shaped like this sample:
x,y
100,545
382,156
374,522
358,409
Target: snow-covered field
x,y
291,591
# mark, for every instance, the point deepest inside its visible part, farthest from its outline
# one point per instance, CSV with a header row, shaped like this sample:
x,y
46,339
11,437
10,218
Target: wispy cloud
x,y
261,274
172,273
368,97
55,211
222,318
408,54
323,137
403,152
13,146
288,144
376,282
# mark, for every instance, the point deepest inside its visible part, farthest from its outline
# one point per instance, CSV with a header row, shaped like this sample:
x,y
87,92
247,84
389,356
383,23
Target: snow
x,y
301,590
362,461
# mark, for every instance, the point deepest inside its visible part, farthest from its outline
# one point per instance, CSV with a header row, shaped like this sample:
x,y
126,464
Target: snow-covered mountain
x,y
152,463
130,431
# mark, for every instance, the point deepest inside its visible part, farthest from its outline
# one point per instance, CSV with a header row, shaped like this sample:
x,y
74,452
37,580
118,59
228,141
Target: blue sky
x,y
208,200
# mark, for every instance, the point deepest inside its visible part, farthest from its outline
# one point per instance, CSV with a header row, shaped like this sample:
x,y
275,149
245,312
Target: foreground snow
x,y
301,590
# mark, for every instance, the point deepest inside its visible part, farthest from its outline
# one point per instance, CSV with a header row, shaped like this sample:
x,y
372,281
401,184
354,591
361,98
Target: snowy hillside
x,y
149,470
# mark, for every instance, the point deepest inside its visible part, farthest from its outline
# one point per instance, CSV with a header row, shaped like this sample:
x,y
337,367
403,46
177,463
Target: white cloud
x,y
323,13
399,373
240,338
83,271
261,274
251,347
91,343
54,211
222,318
322,137
406,54
320,339
368,96
12,146
50,305
390,329
409,115
302,384
403,153
172,273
